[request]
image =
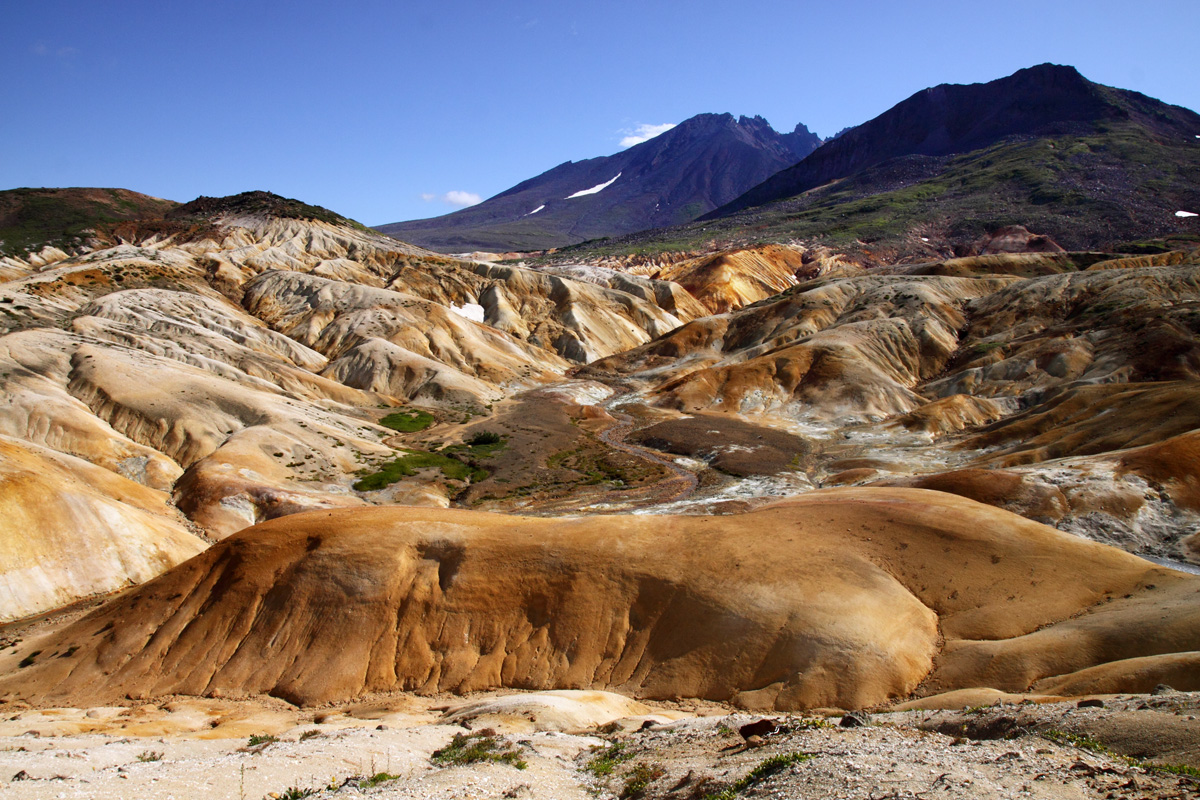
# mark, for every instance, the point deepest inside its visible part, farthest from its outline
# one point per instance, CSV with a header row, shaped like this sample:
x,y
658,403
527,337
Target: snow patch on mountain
x,y
471,311
595,189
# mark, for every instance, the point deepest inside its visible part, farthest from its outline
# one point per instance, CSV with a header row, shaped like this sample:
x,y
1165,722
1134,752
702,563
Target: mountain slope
x,y
1046,100
698,165
63,217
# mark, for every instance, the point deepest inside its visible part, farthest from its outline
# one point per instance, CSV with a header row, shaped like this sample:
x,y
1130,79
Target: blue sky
x,y
383,111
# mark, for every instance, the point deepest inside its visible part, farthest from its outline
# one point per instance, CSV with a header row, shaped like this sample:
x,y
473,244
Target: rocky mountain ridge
x,y
700,164
1043,101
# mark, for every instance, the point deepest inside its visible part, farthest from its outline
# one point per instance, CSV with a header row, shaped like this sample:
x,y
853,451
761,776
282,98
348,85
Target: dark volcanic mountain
x,y
695,167
1042,101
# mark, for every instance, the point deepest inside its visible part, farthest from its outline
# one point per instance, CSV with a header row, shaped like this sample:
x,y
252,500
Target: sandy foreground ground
x,y
186,748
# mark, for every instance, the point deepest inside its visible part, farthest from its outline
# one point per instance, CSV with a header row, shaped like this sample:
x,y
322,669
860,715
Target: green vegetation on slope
x,y
1086,192
261,204
407,421
32,218
458,462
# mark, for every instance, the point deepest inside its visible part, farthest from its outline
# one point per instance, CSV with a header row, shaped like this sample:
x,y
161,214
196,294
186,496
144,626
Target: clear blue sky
x,y
365,107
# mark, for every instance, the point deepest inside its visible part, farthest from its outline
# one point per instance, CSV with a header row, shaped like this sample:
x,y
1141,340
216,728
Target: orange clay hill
x,y
846,598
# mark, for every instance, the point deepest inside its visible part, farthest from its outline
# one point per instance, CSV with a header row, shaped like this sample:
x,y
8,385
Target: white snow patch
x,y
539,208
1186,214
595,189
471,311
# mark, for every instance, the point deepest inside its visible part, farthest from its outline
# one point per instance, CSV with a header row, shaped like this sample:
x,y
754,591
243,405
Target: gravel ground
x,y
199,749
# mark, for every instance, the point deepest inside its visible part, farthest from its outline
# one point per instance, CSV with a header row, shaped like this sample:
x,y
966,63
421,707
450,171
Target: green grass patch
x,y
410,464
456,462
475,748
408,421
261,738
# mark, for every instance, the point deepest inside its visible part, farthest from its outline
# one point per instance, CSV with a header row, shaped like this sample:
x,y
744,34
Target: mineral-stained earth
x,y
264,471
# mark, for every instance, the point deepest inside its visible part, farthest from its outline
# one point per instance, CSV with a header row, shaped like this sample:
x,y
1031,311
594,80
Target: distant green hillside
x,y
261,204
31,218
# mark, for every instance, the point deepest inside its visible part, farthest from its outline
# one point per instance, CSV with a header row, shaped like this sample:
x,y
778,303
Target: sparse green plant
x,y
1185,770
1085,742
310,734
810,723
605,761
261,738
767,768
640,778
149,755
29,659
295,793
1076,740
476,747
376,779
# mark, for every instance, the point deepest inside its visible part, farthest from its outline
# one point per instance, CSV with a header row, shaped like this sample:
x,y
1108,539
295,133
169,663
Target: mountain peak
x,y
704,161
1043,100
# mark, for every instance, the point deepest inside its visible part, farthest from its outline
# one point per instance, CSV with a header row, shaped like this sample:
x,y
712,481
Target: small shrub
x,y
484,437
28,660
476,747
261,738
604,762
149,755
295,793
310,734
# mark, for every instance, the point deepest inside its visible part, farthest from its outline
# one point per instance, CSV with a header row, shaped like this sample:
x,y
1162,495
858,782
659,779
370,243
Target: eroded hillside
x,y
945,437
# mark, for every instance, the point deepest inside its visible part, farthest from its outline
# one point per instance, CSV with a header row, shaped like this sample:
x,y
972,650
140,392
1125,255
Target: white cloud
x,y
644,132
40,48
454,198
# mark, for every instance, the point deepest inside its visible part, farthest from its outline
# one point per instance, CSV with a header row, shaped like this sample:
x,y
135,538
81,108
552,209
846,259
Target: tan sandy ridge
x,y
846,602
